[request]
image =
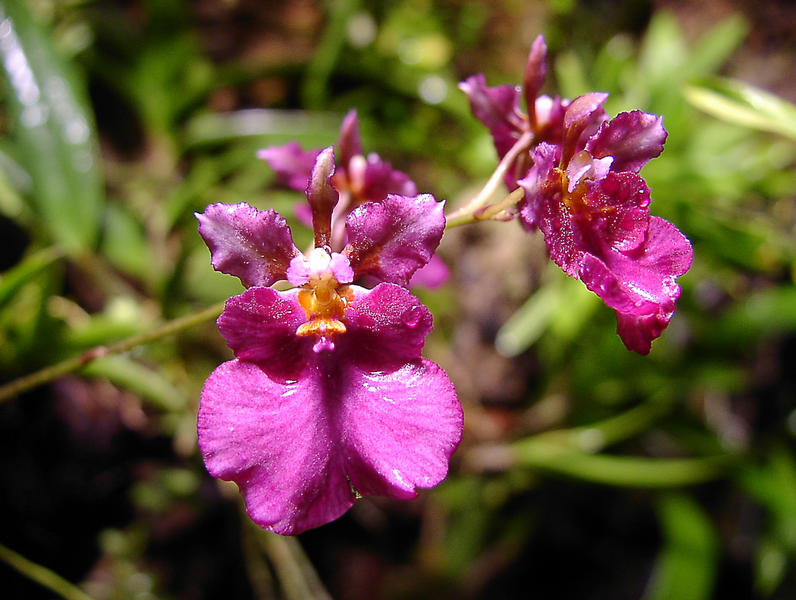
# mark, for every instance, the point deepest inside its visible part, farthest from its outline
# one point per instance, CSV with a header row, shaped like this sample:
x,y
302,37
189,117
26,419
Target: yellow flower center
x,y
324,301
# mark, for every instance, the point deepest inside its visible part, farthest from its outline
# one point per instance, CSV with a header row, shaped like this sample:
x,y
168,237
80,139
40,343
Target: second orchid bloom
x,y
579,171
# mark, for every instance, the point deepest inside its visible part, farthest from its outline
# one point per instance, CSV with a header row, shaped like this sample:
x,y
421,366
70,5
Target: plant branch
x,y
70,365
522,144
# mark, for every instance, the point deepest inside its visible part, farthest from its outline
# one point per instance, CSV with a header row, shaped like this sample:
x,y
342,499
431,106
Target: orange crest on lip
x,y
324,301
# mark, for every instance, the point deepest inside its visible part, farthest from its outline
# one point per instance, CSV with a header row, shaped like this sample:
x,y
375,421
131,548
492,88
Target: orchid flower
x,y
593,209
328,397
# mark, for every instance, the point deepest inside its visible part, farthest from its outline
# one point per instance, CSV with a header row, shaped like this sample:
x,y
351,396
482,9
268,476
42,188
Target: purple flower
x,y
357,179
499,109
328,396
593,209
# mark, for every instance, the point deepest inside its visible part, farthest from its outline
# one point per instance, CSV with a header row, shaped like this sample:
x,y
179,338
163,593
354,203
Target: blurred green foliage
x,y
103,245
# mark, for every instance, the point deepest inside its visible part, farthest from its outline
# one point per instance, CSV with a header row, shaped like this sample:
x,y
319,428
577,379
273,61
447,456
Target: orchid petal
x,y
255,246
381,179
632,138
545,157
349,144
535,71
619,205
293,166
432,275
392,239
276,441
641,286
497,108
260,326
399,428
387,327
581,120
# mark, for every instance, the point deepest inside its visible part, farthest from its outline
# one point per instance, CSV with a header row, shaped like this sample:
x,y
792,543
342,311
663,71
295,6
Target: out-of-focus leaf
x,y
560,307
687,564
13,279
743,104
663,51
773,484
53,129
303,126
137,378
125,244
622,471
768,312
715,46
327,53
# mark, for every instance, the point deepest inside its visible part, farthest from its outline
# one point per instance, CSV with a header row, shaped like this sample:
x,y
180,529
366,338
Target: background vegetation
x,y
586,471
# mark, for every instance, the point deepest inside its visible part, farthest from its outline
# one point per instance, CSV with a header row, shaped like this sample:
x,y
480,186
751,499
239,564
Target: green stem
x,y
42,575
494,181
297,576
47,374
488,213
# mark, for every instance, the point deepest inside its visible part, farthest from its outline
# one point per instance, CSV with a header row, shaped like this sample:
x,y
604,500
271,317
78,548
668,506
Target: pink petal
x,y
399,429
632,138
348,144
293,166
619,208
535,71
381,179
260,326
641,285
545,157
392,239
581,120
387,327
432,275
255,246
497,108
276,441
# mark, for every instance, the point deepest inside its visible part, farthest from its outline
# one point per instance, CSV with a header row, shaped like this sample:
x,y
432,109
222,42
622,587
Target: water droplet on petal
x,y
411,318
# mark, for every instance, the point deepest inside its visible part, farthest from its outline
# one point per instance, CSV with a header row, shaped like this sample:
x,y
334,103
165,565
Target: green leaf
x,y
53,129
743,104
686,566
621,471
716,46
13,279
139,379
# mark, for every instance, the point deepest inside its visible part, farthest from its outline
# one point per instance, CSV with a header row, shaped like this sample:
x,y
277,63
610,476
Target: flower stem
x,y
297,576
488,213
522,144
42,575
47,374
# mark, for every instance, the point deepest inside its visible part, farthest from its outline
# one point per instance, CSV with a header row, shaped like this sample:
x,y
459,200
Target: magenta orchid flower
x,y
328,396
358,179
593,209
499,109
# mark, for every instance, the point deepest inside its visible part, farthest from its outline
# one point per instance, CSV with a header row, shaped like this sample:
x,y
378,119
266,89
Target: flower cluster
x,y
328,396
579,171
